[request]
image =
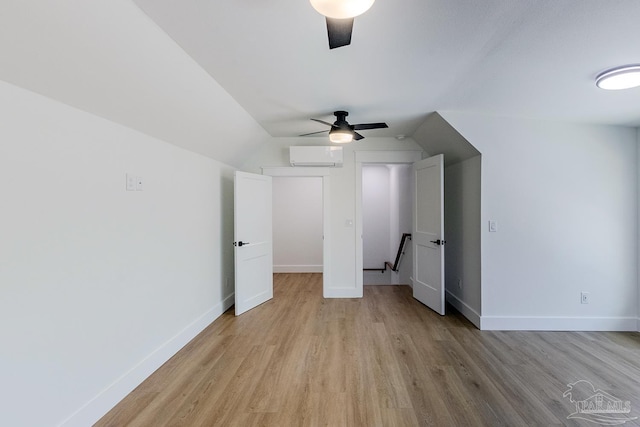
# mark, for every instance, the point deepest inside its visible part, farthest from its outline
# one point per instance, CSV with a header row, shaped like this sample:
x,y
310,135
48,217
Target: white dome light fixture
x,y
625,77
341,9
340,136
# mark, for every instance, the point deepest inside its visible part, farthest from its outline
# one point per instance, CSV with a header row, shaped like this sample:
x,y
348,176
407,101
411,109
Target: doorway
x,y
386,219
322,175
297,224
380,158
428,201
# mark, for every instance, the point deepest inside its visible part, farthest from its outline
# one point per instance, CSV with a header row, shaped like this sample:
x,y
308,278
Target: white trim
x,y
297,268
295,171
343,293
383,157
466,310
388,156
544,323
326,212
104,401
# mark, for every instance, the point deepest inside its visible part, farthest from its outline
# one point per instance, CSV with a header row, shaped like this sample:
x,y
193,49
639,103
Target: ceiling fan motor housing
x,y
341,120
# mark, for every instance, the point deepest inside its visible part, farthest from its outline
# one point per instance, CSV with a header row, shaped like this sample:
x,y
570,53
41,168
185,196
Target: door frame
x,y
324,173
373,157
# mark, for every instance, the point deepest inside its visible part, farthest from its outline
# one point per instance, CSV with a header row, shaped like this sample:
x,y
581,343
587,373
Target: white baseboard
x,y
543,323
102,403
342,293
297,268
463,308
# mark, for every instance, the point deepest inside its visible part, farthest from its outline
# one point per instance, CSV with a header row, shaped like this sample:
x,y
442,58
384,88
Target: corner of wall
x,y
93,410
465,309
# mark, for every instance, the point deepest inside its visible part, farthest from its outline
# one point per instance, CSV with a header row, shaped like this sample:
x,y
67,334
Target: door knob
x,y
438,242
240,243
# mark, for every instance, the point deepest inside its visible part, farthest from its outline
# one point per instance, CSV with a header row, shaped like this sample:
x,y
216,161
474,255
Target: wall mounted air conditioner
x,y
315,156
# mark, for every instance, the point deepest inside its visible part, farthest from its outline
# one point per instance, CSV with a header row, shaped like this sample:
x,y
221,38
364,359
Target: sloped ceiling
x,y
108,58
437,136
408,58
221,78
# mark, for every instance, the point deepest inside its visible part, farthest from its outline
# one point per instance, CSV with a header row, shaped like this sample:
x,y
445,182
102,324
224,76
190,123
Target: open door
x,y
428,232
253,246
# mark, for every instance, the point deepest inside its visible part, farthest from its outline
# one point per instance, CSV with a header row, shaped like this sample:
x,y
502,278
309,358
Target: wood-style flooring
x,y
383,360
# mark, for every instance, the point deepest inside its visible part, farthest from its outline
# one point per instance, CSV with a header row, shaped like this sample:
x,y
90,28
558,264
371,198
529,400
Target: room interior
x,y
101,283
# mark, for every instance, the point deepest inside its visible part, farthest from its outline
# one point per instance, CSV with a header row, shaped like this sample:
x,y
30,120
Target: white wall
x,y
297,224
99,286
565,198
401,220
376,215
343,235
462,233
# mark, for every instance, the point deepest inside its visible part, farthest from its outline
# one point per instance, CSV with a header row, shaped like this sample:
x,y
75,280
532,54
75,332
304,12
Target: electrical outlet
x,y
584,297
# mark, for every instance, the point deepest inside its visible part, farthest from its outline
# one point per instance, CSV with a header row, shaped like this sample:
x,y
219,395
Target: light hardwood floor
x,y
383,360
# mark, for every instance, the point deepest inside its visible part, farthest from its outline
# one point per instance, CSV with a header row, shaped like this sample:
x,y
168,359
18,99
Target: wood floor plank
x,y
382,360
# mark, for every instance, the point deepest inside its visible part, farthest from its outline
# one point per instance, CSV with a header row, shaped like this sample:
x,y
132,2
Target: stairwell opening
x,y
386,217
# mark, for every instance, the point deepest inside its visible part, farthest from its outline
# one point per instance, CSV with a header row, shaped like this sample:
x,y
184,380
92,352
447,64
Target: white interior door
x,y
428,232
253,246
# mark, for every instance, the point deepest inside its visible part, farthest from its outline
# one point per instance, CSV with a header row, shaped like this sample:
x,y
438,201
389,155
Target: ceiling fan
x,y
339,16
342,132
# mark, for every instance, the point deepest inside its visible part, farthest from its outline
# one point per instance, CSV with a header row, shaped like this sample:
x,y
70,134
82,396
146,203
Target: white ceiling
x,y
149,64
108,58
534,58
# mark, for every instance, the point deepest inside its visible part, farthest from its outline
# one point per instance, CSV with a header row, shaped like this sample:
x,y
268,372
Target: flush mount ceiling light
x,y
624,77
341,9
340,136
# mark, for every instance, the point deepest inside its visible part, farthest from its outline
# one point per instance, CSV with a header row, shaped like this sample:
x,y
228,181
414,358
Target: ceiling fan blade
x,y
365,126
357,136
339,32
323,122
313,133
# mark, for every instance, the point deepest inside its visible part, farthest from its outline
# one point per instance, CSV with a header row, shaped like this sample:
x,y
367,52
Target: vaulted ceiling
x,y
200,72
533,58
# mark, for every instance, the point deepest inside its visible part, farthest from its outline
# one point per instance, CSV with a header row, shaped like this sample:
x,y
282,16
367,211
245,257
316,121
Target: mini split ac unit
x,y
315,156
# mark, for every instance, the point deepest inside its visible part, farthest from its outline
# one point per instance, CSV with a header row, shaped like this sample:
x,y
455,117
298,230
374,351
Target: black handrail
x,y
393,267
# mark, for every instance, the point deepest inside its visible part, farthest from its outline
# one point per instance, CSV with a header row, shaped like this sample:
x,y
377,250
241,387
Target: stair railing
x,y
395,265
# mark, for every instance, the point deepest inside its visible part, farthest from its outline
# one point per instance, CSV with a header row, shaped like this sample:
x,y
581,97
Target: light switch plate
x,y
139,183
493,226
131,182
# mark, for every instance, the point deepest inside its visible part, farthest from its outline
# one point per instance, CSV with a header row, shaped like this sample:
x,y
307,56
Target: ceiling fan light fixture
x,y
340,136
625,77
341,9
